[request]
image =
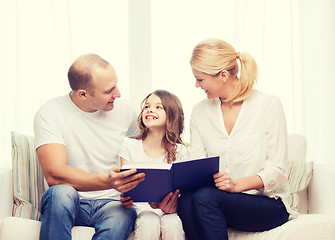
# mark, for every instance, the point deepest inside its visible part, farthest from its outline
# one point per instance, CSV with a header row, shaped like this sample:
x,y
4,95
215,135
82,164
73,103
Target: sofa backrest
x,y
28,179
29,184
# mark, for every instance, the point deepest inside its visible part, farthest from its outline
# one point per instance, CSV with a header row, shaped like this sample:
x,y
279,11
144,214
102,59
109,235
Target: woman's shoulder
x,y
205,104
262,97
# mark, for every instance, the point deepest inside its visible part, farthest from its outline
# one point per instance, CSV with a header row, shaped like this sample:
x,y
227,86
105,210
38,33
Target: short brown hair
x,y
80,72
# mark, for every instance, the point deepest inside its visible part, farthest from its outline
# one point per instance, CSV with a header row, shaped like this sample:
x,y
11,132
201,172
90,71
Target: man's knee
x,y
60,196
114,221
115,212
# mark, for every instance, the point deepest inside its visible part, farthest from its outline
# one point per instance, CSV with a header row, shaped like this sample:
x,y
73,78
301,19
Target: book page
x,y
194,174
146,165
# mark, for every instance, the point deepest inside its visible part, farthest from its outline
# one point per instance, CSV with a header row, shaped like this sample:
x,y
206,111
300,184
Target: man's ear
x,y
82,94
224,75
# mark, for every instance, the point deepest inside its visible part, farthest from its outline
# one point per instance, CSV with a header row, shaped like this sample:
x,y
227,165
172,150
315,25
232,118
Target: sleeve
x,y
48,128
274,172
133,129
124,151
196,148
181,153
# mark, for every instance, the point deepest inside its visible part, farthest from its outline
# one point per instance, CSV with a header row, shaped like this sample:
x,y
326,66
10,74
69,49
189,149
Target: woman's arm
x,y
196,148
274,172
224,182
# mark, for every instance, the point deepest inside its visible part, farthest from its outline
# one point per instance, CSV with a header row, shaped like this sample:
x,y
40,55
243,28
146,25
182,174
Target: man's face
x,y
105,90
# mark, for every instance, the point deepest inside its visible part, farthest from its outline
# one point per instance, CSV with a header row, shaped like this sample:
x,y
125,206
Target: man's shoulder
x,y
55,103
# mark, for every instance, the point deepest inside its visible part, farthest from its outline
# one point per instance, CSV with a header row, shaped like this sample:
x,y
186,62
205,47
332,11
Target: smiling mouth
x,y
150,117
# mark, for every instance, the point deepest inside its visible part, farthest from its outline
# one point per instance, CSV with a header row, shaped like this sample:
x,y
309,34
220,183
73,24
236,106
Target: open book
x,y
160,179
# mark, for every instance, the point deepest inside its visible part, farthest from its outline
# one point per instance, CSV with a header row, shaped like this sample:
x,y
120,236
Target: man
x,y
78,139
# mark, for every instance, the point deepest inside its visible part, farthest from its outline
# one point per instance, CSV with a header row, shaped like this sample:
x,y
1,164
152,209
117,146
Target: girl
x,y
161,122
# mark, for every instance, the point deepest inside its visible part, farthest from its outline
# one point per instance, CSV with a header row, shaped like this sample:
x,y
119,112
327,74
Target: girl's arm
x,y
122,161
168,204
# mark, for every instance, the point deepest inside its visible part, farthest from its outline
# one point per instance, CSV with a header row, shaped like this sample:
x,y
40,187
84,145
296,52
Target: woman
x,y
247,129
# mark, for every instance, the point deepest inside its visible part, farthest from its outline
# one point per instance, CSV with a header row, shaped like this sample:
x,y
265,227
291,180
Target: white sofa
x,y
22,187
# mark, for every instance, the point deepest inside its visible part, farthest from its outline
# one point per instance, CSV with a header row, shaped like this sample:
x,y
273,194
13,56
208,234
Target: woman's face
x,y
212,85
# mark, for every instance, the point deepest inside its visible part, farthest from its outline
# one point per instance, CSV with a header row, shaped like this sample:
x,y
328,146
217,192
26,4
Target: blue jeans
x,y
208,212
61,209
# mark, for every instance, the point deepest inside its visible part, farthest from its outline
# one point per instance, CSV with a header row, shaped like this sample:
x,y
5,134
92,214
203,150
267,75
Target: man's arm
x,y
53,161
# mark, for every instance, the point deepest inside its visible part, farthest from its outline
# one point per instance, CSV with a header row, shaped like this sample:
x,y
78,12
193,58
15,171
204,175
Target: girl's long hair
x,y
174,122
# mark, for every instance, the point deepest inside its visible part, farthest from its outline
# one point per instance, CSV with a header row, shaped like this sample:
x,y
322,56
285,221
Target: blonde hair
x,y
212,56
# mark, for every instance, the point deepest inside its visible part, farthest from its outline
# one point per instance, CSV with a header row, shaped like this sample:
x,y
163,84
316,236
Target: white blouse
x,y
257,143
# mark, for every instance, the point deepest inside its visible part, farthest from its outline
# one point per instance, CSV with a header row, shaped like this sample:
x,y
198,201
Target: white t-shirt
x,y
92,140
257,143
132,151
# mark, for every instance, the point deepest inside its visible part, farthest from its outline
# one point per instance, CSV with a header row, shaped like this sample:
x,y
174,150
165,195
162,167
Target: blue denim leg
x,y
216,210
59,206
61,209
109,218
185,210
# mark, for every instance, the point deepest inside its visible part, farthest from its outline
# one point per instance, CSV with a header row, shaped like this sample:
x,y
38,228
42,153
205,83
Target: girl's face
x,y
210,84
153,114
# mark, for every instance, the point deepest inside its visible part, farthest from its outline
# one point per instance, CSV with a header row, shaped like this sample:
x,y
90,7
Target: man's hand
x,y
124,181
168,204
126,201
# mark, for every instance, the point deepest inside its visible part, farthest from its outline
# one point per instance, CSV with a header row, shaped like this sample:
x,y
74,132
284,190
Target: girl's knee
x,y
171,221
147,226
148,219
172,227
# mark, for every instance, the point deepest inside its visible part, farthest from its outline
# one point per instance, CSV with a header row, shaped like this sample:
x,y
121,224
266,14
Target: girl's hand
x,y
168,204
224,182
126,201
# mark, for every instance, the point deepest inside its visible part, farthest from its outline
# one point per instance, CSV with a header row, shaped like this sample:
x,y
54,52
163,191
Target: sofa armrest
x,y
6,193
321,191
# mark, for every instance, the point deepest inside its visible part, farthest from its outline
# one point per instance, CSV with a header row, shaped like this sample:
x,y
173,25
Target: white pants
x,y
153,226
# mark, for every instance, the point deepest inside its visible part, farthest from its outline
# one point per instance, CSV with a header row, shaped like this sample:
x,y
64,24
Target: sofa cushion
x,y
30,230
299,171
28,180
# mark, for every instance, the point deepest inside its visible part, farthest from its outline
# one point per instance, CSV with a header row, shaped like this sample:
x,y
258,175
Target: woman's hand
x,y
126,201
168,204
224,182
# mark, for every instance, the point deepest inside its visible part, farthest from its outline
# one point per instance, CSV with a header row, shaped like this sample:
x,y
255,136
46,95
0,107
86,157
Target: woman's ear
x,y
224,75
